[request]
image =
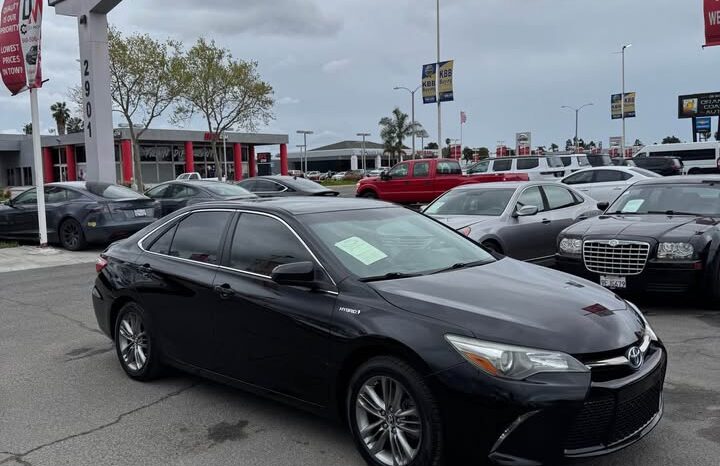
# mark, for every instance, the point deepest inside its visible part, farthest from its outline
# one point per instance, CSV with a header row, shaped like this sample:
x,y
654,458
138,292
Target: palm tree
x,y
61,114
75,125
395,129
27,129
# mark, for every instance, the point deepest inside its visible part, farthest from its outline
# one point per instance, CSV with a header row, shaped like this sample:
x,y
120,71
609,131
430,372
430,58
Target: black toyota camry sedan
x,y
175,195
431,349
660,235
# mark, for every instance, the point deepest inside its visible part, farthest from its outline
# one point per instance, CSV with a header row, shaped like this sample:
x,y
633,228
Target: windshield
x,y
377,242
112,191
303,184
691,199
472,202
228,190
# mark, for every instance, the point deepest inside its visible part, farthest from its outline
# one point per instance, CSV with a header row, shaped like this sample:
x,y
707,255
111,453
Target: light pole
x,y
305,134
439,105
412,96
422,135
302,148
622,98
364,153
577,117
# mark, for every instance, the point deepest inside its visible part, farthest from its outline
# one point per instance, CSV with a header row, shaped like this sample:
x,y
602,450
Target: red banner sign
x,y
20,33
712,23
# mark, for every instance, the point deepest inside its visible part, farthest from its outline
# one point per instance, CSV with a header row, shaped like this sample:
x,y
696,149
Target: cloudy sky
x,y
334,63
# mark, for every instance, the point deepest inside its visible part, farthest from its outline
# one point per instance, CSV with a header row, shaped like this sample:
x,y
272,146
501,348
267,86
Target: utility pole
x,y
622,98
364,152
439,112
412,106
305,134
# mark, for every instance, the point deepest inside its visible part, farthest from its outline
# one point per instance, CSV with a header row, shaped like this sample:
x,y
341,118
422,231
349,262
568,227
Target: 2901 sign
x,y
87,90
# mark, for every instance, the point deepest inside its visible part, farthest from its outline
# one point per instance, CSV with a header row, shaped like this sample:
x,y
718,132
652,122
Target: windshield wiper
x,y
673,212
390,276
461,265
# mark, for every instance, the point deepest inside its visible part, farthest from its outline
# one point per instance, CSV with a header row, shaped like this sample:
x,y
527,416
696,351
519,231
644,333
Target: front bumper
x,y
657,277
559,416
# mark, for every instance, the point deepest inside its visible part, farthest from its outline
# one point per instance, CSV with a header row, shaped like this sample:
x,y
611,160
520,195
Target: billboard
x,y
615,141
445,81
711,9
429,75
616,105
20,34
699,105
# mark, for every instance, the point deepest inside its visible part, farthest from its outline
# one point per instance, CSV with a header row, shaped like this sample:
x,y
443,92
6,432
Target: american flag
x,y
463,118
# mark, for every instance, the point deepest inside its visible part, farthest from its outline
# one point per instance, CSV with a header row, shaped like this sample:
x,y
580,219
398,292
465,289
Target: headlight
x,y
571,246
675,251
648,329
512,362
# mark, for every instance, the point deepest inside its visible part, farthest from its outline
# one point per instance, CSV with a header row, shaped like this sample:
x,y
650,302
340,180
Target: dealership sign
x,y
20,32
616,105
429,77
445,81
699,105
712,22
523,143
703,125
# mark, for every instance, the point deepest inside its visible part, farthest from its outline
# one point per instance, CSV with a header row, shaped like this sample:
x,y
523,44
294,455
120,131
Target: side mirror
x,y
9,202
527,211
385,176
295,274
603,206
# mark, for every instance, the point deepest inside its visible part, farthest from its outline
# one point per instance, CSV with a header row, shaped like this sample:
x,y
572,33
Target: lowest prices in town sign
x,y
20,34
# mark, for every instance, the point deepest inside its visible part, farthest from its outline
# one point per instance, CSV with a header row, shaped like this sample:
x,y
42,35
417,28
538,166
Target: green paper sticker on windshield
x,y
361,250
633,206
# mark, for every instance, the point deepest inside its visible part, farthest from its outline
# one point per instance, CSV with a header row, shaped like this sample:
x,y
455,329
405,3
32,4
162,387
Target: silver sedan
x,y
520,220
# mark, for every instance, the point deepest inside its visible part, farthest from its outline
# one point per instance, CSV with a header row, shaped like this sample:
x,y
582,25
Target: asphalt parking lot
x,y
65,400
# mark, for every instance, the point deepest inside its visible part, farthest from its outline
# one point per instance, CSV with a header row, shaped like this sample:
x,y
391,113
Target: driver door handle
x,y
145,269
225,291
546,221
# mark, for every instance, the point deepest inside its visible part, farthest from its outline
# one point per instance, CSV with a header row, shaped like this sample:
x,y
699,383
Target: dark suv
x,y
666,166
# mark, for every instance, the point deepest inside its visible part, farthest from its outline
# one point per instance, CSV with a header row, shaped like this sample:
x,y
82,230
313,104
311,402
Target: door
x,y
582,181
523,236
420,185
175,285
608,185
562,213
22,219
271,335
395,189
448,174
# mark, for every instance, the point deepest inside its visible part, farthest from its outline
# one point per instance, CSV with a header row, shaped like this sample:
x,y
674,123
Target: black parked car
x,y
421,340
175,195
665,166
660,235
78,213
282,186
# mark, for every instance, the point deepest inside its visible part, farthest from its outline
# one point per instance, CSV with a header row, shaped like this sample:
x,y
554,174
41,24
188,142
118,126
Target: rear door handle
x,y
145,269
225,291
546,221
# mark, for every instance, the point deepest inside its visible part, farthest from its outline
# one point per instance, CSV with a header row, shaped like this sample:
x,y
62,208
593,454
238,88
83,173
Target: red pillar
x,y
237,160
189,157
252,162
126,160
283,160
48,174
71,165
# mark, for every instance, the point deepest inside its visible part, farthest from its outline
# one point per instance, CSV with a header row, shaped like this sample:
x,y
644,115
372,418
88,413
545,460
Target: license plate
x,y
613,283
140,213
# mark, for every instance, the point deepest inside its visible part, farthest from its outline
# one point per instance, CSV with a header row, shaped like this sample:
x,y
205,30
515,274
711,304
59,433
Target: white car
x,y
537,168
339,176
605,184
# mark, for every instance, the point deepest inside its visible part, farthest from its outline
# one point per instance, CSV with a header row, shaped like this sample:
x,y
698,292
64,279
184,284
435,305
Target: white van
x,y
697,157
541,167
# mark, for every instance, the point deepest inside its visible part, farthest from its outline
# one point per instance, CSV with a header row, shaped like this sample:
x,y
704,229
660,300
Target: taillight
x,y
466,231
100,264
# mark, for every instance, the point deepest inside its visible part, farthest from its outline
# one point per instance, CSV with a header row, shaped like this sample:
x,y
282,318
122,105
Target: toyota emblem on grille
x,y
614,243
635,357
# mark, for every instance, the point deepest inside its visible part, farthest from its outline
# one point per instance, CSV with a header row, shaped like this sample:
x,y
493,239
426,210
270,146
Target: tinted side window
x,y
608,176
449,168
198,236
481,167
162,244
262,243
558,197
579,178
532,196
567,161
265,186
250,185
55,195
421,169
502,165
27,198
528,163
159,192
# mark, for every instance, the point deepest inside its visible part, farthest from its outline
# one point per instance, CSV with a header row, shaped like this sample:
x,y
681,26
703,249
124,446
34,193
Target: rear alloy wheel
x,y
71,235
393,415
134,343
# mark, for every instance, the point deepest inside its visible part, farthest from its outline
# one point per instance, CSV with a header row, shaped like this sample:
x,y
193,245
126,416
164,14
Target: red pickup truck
x,y
422,181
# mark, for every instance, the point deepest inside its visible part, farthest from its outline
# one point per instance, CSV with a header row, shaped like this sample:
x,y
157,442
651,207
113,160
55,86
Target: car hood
x,y
512,302
459,222
653,226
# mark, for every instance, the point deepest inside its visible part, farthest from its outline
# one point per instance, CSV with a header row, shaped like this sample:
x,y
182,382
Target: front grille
x,y
612,257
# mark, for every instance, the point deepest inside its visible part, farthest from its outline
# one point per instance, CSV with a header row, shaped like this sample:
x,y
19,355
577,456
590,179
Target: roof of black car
x,y
688,179
299,205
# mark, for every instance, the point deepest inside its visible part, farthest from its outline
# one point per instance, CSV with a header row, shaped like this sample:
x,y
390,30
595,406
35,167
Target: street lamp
x,y
422,134
412,96
622,97
305,134
302,148
577,113
364,153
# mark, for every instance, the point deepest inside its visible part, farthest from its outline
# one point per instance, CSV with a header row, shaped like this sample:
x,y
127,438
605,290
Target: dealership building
x,y
164,154
342,156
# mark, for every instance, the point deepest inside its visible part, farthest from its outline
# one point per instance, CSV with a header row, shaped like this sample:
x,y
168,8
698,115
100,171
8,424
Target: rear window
x,y
502,165
528,163
112,191
303,184
555,162
227,190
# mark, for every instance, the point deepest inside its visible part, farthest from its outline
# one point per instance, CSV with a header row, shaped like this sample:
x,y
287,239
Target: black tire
x,y
151,367
428,445
369,195
493,246
71,235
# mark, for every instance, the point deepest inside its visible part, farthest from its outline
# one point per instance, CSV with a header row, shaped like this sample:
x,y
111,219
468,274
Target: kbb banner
x,y
429,75
445,81
20,34
712,22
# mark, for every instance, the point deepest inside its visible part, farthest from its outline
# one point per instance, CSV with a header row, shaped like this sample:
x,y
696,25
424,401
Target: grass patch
x,y
338,183
8,244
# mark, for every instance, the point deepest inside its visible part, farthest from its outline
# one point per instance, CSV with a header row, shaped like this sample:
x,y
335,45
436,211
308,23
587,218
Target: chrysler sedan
x,y
429,348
